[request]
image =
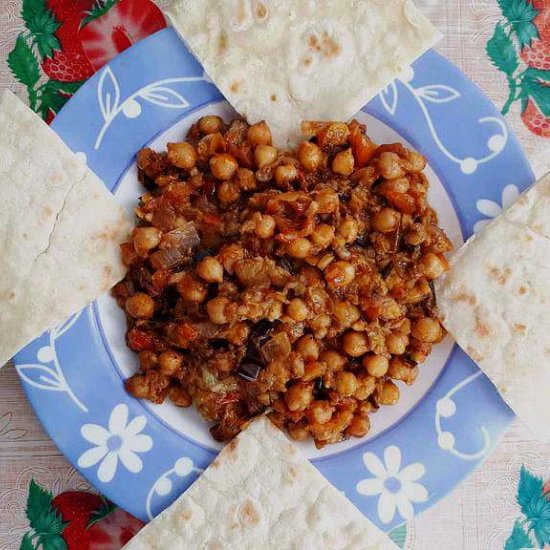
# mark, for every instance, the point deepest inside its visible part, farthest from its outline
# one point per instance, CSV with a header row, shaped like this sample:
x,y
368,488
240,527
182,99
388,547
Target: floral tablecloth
x,y
48,48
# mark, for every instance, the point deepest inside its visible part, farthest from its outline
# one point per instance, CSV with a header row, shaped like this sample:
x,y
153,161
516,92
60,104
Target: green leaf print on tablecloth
x,y
502,52
399,535
533,498
518,538
100,8
520,15
24,66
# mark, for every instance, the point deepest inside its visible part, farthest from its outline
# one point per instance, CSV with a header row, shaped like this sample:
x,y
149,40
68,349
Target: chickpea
x,y
180,396
264,155
259,134
310,156
299,396
336,133
366,385
356,343
275,311
359,426
210,269
417,161
365,408
229,255
339,274
307,347
265,225
325,261
386,220
419,351
322,235
223,166
327,201
278,276
237,334
387,393
285,174
399,185
432,266
138,386
183,334
216,310
147,161
140,306
334,360
145,239
164,180
343,163
416,235
313,370
264,398
210,124
297,433
426,329
192,290
296,366
405,327
376,365
348,230
299,248
148,360
320,325
399,370
183,155
389,165
251,271
297,309
228,192
390,310
209,145
346,383
245,180
170,362
320,412
397,343
346,313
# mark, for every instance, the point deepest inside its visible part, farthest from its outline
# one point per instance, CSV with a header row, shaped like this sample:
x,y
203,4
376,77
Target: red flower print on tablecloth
x,y
75,520
66,41
126,23
520,48
69,63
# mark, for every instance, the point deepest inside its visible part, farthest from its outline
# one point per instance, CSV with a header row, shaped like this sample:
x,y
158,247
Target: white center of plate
x,y
188,422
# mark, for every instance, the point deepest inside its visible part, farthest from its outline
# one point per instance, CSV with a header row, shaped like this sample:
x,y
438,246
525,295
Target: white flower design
x,y
492,209
121,441
397,488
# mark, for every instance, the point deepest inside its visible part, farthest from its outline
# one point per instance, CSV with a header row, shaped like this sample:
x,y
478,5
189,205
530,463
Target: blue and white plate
x,y
142,456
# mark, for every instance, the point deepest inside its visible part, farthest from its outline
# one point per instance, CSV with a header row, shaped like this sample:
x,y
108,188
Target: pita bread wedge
x,y
495,301
286,61
60,229
260,492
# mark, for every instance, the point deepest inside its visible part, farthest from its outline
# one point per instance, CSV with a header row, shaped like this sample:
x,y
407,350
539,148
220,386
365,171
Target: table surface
x,y
480,513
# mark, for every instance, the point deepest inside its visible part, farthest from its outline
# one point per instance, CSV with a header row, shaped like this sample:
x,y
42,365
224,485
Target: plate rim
x,y
89,473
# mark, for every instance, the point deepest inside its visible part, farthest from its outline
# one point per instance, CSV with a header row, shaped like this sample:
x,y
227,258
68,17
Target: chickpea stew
x,y
292,283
